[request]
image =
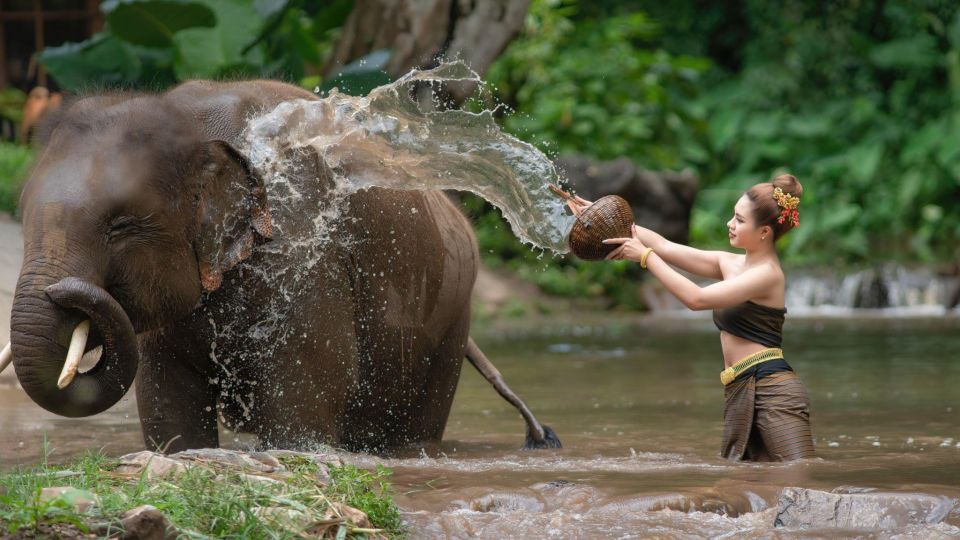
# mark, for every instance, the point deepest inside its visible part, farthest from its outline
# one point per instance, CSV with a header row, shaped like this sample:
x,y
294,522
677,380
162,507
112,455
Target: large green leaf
x,y
199,53
238,24
153,23
102,60
205,52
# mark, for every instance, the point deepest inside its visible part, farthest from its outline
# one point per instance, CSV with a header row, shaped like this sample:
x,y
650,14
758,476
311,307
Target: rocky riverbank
x,y
210,493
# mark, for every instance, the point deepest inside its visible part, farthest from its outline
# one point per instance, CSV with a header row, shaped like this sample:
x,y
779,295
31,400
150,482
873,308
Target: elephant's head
x,y
128,215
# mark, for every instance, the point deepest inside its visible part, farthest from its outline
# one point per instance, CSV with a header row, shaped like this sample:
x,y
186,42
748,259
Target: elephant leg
x,y
409,378
176,401
440,382
434,374
304,381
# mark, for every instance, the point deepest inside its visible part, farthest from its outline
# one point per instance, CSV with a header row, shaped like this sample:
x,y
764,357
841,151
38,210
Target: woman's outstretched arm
x,y
696,261
752,283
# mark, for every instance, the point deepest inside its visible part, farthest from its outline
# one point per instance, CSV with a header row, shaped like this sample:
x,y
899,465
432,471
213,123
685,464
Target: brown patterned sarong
x,y
767,419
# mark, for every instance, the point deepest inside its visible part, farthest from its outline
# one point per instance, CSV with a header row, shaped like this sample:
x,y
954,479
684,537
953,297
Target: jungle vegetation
x,y
859,100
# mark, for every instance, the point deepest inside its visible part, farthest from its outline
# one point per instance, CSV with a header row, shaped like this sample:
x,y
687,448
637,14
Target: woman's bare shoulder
x,y
777,270
771,270
726,256
730,263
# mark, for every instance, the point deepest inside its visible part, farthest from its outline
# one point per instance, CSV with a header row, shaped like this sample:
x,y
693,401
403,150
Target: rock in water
x,y
811,509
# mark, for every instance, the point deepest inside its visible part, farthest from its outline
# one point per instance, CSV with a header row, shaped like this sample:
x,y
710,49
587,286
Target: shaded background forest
x,y
860,100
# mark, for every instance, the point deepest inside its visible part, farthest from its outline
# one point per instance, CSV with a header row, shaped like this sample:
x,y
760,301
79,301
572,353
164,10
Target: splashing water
x,y
386,139
312,155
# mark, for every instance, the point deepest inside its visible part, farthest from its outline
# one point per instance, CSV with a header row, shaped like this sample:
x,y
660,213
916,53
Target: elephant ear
x,y
232,211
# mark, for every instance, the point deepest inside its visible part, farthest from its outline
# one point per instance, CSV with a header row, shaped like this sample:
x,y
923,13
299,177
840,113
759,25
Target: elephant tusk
x,y
78,342
6,356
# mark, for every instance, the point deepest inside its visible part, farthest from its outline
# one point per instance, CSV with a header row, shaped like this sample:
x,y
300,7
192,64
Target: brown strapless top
x,y
753,322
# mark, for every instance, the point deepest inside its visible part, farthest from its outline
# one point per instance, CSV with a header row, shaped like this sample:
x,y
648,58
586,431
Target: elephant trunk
x,y
43,322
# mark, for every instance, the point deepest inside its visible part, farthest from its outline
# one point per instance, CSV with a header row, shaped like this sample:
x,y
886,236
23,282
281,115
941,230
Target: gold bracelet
x,y
643,258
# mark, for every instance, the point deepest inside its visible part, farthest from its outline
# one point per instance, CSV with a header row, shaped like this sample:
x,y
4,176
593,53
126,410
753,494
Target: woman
x,y
766,416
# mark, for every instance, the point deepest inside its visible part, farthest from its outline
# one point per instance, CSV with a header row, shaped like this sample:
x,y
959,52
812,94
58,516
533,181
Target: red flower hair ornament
x,y
789,204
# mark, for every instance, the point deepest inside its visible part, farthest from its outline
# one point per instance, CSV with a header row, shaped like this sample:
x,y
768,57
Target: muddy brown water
x,y
637,404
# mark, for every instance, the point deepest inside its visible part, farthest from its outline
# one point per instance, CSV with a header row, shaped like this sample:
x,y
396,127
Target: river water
x,y
637,403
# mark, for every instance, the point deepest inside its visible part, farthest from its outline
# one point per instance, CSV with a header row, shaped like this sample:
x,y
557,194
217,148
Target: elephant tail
x,y
538,435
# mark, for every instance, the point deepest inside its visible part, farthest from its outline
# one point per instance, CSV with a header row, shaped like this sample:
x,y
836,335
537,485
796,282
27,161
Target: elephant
x,y
146,226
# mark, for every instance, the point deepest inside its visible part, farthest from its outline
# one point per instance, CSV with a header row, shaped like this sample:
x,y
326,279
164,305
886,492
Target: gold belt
x,y
728,375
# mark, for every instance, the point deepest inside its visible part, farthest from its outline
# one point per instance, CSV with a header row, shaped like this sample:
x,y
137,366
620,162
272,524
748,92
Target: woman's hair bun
x,y
789,184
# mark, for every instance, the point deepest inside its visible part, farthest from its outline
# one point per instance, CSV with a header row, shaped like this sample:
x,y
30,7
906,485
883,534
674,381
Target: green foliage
x,y
592,85
201,502
103,60
154,23
15,161
595,86
862,103
369,491
11,103
156,43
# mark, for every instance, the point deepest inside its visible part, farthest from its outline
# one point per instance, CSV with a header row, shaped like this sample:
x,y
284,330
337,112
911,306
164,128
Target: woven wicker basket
x,y
607,217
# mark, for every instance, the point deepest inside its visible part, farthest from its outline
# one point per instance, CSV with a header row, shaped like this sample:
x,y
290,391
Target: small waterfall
x,y
888,290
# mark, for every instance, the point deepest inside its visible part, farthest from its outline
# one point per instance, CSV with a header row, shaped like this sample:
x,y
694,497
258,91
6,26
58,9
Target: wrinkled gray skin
x,y
142,216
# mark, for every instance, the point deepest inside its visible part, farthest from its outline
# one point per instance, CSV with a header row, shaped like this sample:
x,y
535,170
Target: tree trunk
x,y
419,32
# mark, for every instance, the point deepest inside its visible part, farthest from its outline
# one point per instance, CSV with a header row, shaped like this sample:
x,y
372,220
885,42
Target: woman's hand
x,y
630,248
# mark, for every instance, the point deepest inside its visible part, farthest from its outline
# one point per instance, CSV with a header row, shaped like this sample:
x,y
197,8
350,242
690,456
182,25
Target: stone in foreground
x,y
141,523
156,465
80,500
811,509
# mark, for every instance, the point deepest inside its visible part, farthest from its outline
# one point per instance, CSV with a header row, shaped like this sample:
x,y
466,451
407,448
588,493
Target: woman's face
x,y
742,229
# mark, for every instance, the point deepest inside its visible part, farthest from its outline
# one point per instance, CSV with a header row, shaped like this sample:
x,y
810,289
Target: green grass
x,y
201,502
364,489
15,161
